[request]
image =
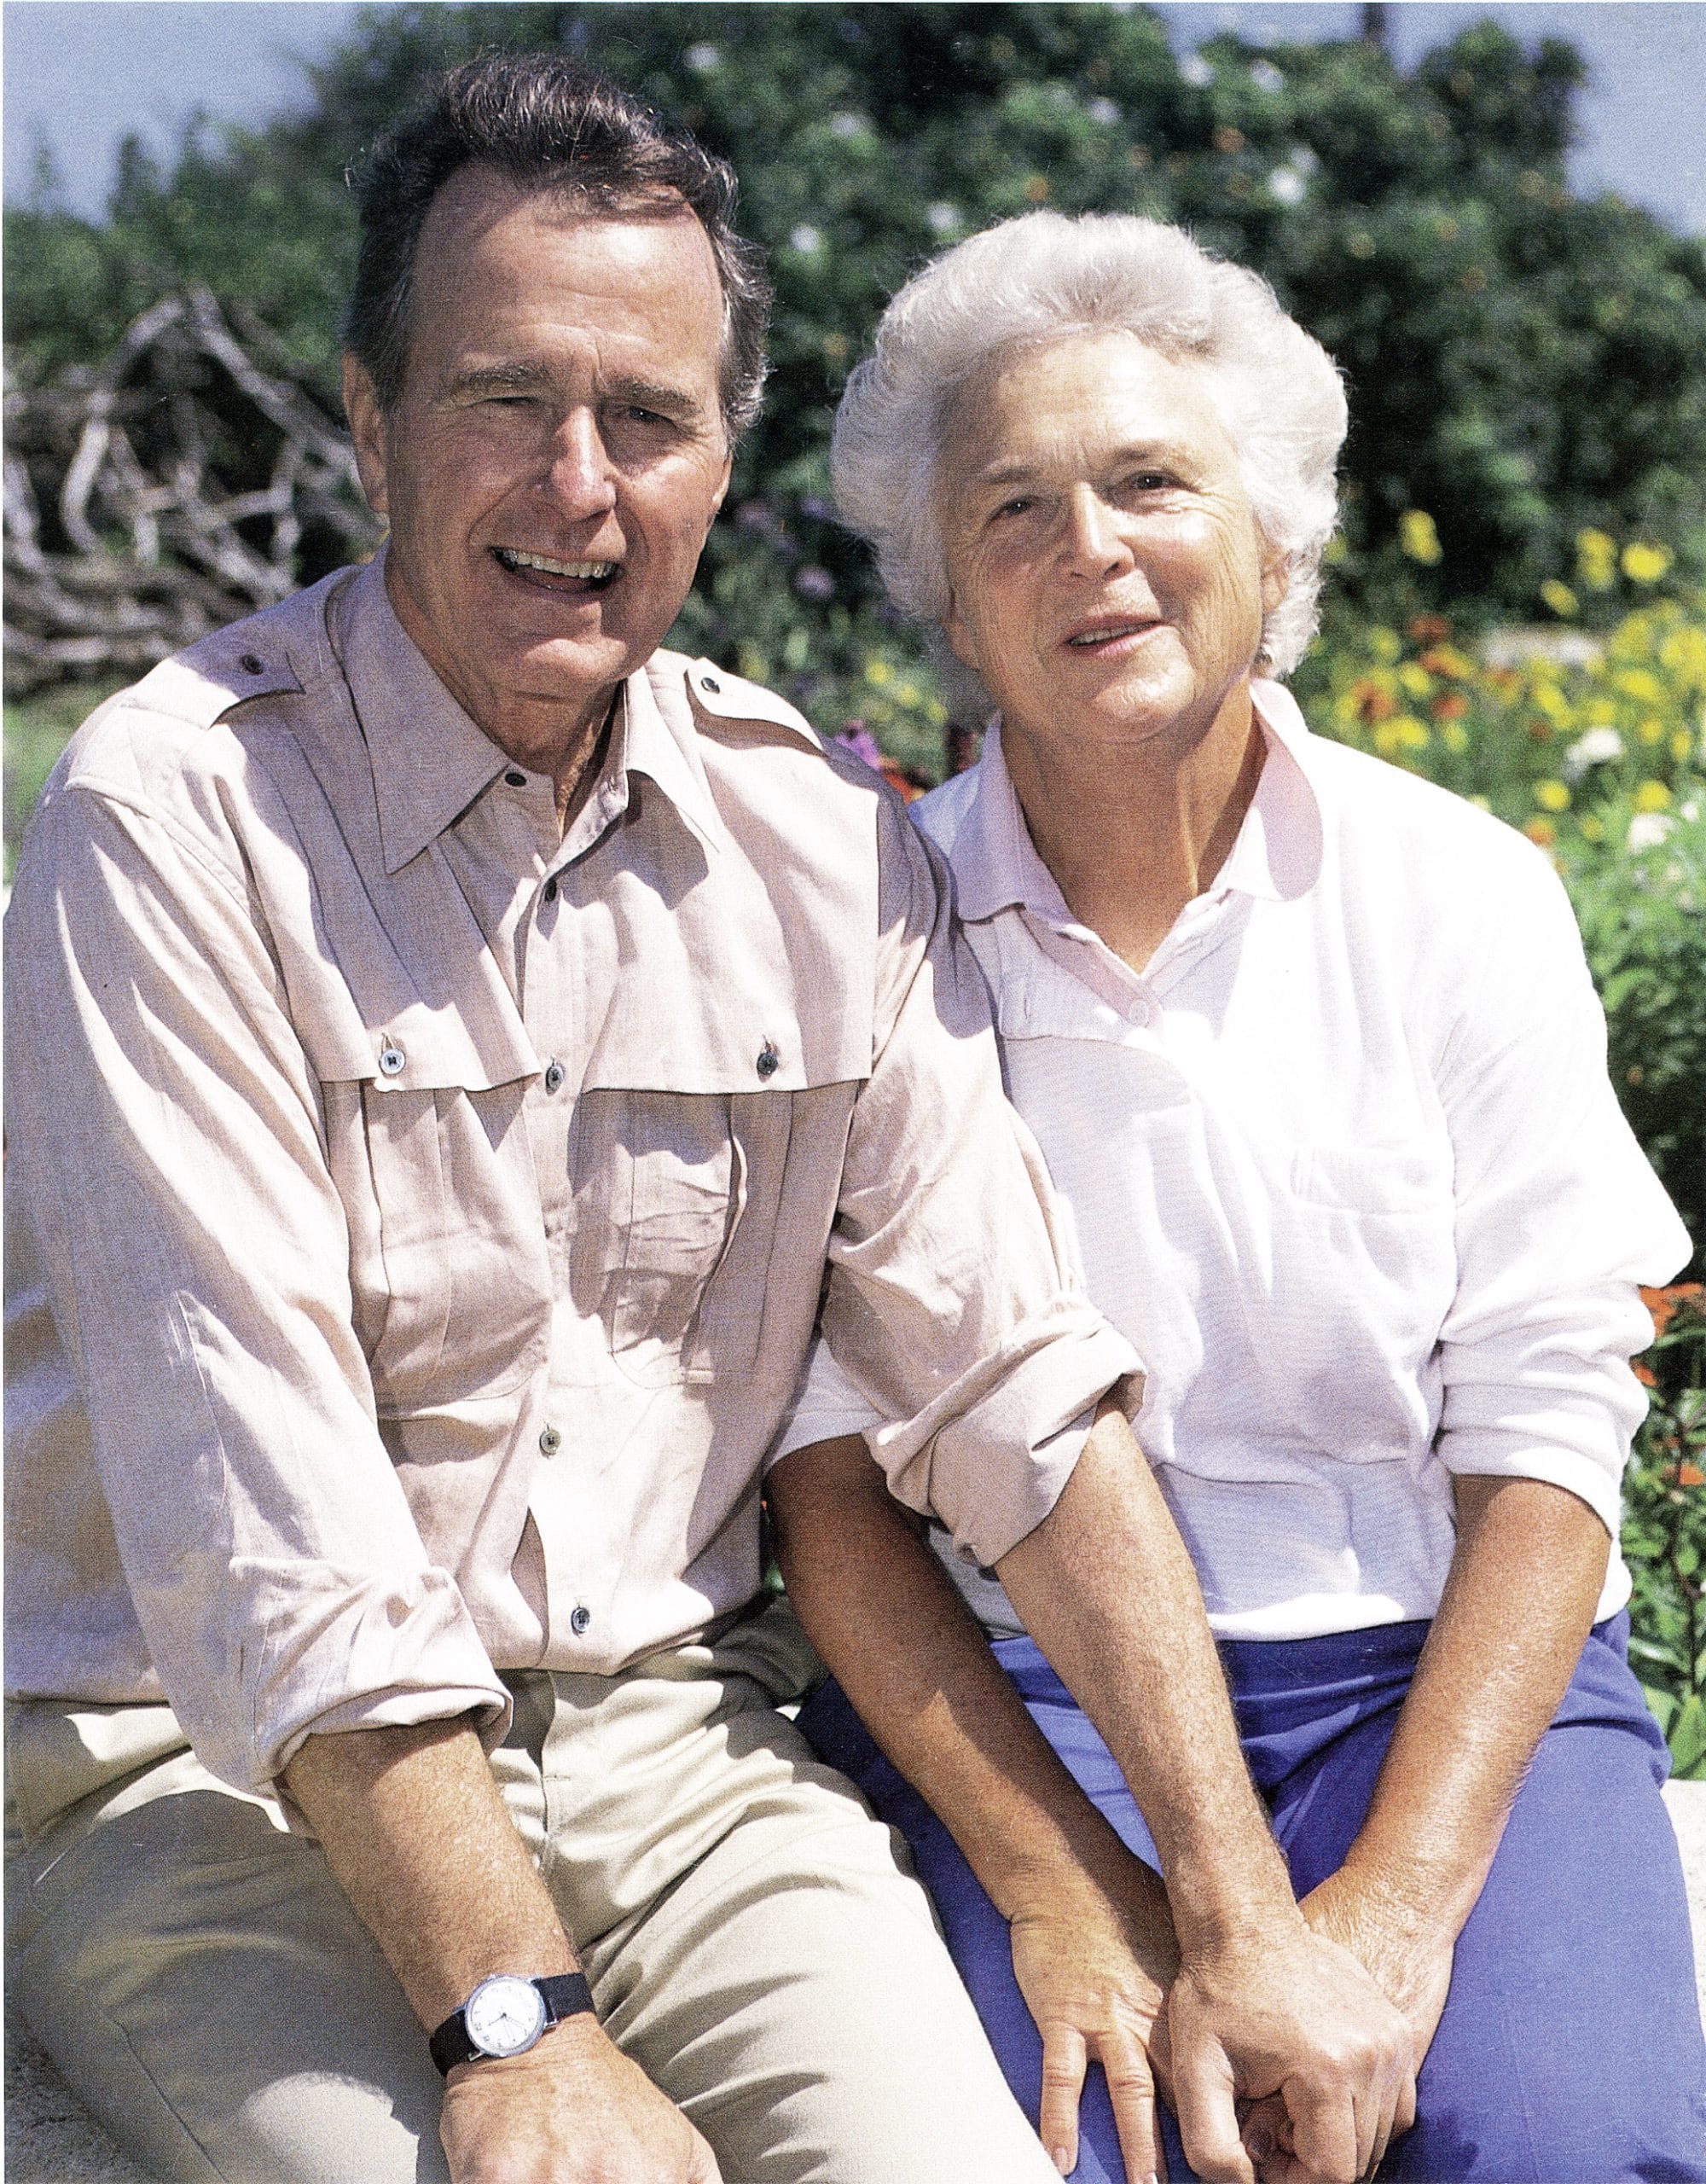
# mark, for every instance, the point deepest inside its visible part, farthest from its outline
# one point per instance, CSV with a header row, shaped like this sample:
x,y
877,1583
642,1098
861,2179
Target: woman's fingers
x,y
1064,2057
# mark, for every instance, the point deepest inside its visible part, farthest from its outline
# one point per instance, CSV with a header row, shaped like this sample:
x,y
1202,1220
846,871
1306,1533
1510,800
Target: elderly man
x,y
452,1040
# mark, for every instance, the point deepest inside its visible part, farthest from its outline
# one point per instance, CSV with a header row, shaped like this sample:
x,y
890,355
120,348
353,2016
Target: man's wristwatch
x,y
505,2014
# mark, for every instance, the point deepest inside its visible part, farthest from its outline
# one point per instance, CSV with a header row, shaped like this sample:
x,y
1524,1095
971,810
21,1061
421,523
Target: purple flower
x,y
858,739
813,583
818,510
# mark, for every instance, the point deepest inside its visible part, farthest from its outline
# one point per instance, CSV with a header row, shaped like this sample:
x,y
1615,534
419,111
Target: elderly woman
x,y
1312,1055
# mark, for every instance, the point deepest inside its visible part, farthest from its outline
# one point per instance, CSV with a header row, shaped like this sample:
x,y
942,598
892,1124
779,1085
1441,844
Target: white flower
x,y
1647,829
1288,185
699,58
847,125
806,241
1195,70
1598,748
1303,159
942,218
1103,112
1265,77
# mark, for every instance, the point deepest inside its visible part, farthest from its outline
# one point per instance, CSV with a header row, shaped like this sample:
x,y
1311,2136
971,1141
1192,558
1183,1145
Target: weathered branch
x,y
192,478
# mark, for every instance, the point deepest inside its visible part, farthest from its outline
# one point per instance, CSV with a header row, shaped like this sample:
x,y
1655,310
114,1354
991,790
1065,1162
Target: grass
x,y
37,729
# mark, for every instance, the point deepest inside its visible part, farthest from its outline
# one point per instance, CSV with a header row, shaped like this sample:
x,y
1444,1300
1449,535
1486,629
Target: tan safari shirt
x,y
419,1221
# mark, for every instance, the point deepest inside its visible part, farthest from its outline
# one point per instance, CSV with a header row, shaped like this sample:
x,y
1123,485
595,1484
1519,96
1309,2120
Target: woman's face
x,y
1108,578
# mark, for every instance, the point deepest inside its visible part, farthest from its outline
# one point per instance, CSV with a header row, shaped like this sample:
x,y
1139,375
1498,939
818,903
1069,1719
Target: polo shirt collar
x,y
431,759
1277,854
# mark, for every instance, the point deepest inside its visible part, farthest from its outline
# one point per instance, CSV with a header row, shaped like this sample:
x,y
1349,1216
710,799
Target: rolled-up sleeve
x,y
953,1305
167,1131
1558,1217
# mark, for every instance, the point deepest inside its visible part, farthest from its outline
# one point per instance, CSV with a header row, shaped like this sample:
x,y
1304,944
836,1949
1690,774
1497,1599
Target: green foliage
x,y
37,731
1522,363
1664,1530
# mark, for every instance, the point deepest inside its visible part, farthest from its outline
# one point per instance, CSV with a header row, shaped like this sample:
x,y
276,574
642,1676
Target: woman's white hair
x,y
1032,280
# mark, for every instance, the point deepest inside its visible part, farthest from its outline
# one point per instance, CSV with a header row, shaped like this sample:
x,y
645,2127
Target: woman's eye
x,y
1020,504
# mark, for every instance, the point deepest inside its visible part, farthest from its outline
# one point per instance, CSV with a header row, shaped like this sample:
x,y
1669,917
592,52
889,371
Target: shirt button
x,y
554,1076
550,1440
769,1061
710,682
515,779
549,889
392,1060
580,1621
252,664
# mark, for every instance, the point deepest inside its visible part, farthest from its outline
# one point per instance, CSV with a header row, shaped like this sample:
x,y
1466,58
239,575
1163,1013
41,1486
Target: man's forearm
x,y
910,1656
1105,1587
418,1838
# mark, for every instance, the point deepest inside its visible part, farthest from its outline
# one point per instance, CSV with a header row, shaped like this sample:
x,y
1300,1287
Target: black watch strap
x,y
565,1994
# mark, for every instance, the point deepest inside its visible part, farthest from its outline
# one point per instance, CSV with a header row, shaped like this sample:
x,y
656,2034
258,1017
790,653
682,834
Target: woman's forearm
x,y
1518,1603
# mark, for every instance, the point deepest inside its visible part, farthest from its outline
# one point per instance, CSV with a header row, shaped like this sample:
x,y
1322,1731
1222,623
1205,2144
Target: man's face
x,y
557,454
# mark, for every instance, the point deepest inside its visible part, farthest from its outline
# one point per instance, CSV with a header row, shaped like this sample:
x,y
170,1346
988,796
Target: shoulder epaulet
x,y
731,698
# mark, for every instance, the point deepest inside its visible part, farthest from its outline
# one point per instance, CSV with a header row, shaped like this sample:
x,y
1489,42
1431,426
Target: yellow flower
x,y
1601,713
1641,684
1411,732
877,672
1596,560
1419,538
1416,680
1551,796
1385,644
1682,745
1559,596
1651,730
905,694
1454,736
1651,796
1644,563
1551,702
1593,826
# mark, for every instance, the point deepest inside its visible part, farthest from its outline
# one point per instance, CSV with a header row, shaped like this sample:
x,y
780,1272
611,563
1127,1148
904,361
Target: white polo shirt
x,y
1343,1164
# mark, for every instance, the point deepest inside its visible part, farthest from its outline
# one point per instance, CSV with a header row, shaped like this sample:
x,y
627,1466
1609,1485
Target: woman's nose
x,y
1095,541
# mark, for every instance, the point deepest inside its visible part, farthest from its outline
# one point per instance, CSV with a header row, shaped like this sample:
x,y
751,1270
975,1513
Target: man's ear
x,y
367,430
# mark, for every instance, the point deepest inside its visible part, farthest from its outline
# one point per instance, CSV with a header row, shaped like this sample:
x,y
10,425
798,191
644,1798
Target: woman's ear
x,y
959,637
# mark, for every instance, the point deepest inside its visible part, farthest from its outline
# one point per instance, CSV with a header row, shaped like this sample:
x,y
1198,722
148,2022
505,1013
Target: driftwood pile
x,y
194,476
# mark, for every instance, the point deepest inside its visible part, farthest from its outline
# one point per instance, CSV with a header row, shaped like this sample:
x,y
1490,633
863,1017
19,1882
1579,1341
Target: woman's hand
x,y
1093,1962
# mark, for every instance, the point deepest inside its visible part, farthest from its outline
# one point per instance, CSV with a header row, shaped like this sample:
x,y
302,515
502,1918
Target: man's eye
x,y
1149,481
1020,504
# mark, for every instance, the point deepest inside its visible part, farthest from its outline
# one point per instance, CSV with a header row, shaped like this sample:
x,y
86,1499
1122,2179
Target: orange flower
x,y
1542,832
1665,1304
1690,1475
1372,702
1540,730
1429,630
1453,707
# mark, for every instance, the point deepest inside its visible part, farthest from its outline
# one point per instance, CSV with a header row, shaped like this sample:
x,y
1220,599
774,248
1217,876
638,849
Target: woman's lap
x,y
1570,2050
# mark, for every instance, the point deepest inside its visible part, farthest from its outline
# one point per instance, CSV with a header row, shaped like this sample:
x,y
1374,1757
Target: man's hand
x,y
1292,2013
571,2110
1094,1966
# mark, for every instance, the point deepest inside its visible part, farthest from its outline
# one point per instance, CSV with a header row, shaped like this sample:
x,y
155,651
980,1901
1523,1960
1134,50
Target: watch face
x,y
504,2015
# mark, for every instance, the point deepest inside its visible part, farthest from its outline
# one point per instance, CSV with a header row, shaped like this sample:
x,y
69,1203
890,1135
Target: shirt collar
x,y
431,759
1277,853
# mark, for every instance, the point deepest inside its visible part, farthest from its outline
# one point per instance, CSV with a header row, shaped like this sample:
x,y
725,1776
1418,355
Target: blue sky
x,y
80,74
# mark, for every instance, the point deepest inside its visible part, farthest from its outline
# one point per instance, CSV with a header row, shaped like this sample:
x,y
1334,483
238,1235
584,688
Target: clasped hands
x,y
1290,2057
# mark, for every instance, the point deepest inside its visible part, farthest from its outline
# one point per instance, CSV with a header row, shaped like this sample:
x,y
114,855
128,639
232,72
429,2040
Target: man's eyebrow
x,y
650,394
513,378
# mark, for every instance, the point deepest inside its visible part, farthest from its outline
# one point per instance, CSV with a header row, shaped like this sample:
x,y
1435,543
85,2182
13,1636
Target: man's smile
x,y
597,574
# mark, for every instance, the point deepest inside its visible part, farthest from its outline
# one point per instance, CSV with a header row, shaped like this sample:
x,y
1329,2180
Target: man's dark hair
x,y
548,123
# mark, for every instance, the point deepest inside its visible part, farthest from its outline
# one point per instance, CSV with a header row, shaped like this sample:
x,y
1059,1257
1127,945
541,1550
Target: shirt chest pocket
x,y
451,1280
661,1182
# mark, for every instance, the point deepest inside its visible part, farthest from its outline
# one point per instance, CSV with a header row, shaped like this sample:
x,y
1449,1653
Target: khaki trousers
x,y
752,1940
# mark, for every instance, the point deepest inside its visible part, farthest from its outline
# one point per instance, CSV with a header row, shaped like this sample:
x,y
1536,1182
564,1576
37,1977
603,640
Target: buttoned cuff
x,y
992,1454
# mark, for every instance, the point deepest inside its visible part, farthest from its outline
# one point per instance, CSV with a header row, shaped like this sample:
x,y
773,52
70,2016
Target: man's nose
x,y
1094,544
579,476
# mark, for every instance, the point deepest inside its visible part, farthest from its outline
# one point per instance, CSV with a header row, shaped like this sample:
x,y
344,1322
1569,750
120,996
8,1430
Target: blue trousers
x,y
1570,2049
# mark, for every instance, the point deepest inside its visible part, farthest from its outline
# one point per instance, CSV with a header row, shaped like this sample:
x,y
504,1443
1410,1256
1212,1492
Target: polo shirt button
x,y
549,889
392,1061
252,664
554,1076
769,1061
710,682
581,1622
515,779
550,1440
